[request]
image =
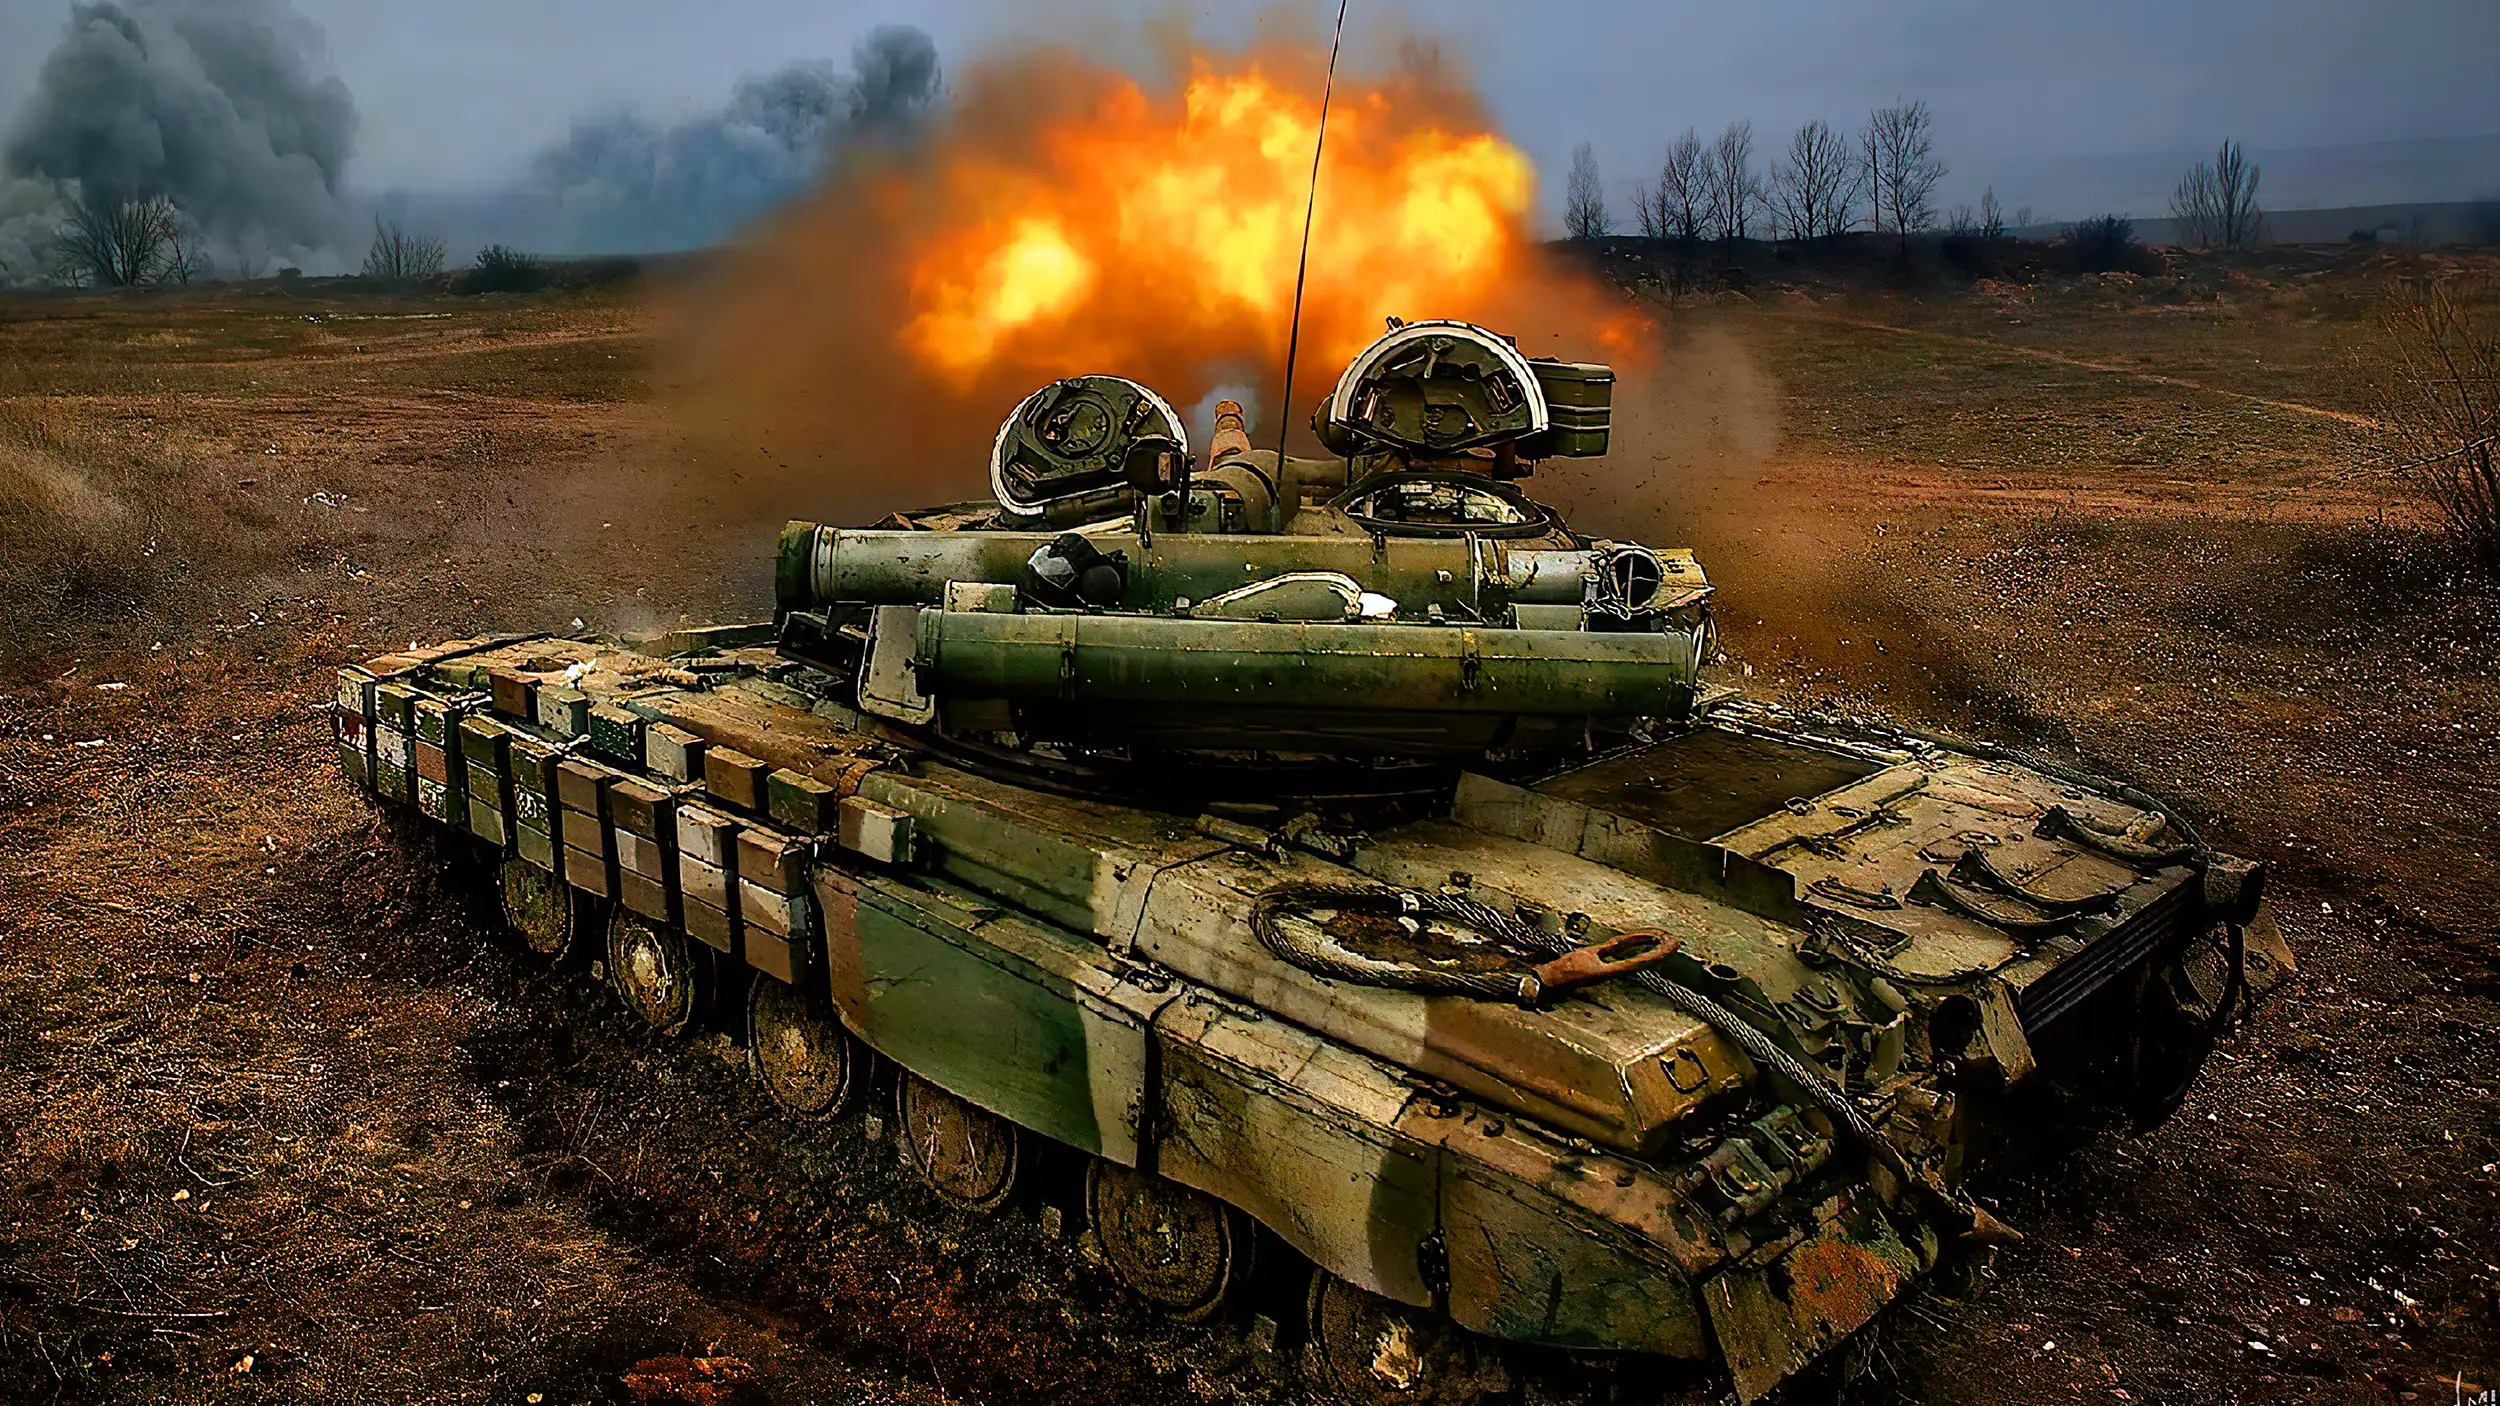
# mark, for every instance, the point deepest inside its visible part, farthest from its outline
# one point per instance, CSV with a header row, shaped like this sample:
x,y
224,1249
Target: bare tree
x,y
1735,187
184,259
2439,402
1584,197
1991,215
1683,194
2022,216
2215,205
1900,149
1814,190
114,243
396,256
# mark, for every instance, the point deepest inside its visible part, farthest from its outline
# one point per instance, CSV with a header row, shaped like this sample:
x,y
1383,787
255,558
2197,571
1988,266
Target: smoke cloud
x,y
227,107
623,185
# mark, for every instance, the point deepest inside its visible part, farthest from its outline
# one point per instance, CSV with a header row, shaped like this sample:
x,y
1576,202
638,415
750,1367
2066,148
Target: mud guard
x,y
1771,1320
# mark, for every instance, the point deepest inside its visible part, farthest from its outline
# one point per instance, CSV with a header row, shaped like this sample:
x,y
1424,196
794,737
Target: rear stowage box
x,y
1580,396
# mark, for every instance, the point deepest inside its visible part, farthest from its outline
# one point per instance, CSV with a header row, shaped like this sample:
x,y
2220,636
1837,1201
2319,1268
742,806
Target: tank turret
x,y
1404,599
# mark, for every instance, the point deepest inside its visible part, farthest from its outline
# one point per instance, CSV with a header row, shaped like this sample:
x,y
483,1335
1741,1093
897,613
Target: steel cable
x,y
1759,1046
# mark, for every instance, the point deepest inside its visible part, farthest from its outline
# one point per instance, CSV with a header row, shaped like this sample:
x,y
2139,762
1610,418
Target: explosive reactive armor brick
x,y
536,846
533,764
356,690
773,862
448,804
879,832
581,819
616,734
642,809
351,724
487,820
799,801
707,883
645,895
563,709
394,705
639,854
355,758
511,693
588,872
707,836
438,719
773,902
735,777
482,744
709,925
673,752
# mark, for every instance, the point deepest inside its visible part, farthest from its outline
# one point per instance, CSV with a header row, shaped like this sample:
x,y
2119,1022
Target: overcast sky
x,y
454,93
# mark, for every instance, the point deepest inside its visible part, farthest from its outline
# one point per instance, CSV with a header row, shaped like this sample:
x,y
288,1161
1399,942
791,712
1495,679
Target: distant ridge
x,y
2439,222
2320,179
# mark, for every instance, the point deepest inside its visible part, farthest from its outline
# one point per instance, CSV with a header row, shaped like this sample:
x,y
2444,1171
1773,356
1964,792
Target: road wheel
x,y
1371,1351
656,972
1177,1248
805,1059
547,913
966,1154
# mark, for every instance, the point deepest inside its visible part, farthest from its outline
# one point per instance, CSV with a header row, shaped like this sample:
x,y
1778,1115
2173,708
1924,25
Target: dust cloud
x,y
1694,462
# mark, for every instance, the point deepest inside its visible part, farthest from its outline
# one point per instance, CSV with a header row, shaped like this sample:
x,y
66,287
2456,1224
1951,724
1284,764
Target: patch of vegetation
x,y
2439,403
500,268
2107,244
93,549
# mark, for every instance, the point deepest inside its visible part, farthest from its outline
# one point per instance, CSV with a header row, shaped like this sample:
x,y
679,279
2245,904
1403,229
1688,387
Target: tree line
x,y
1881,178
148,242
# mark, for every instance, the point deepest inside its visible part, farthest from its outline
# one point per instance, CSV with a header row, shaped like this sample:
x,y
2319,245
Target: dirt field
x,y
280,1120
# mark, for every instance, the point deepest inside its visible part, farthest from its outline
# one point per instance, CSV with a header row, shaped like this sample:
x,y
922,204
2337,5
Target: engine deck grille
x,y
2165,925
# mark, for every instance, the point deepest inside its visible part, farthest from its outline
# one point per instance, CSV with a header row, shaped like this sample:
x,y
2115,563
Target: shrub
x,y
397,256
501,268
2107,244
2438,418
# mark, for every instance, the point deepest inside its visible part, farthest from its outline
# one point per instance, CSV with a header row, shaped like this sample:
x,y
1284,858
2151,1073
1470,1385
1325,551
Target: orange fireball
x,y
1188,209
1062,216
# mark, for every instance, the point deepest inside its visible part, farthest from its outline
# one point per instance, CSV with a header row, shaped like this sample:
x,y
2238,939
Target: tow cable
x,y
1959,1213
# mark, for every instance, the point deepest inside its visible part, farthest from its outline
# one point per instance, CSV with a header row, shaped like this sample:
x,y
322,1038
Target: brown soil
x,y
411,1167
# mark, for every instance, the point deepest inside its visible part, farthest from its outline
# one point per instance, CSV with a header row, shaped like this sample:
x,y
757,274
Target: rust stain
x,y
1839,1283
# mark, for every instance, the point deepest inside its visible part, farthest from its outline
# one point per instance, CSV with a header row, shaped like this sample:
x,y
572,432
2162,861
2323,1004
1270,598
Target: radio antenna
x,y
1302,266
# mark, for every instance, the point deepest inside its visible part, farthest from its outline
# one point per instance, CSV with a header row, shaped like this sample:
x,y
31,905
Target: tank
x,y
1353,867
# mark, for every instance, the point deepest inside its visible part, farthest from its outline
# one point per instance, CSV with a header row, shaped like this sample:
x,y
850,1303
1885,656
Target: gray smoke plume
x,y
624,186
226,106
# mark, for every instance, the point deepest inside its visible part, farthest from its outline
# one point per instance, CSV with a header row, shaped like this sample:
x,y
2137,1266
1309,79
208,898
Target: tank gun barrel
x,y
1232,432
1119,659
821,566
